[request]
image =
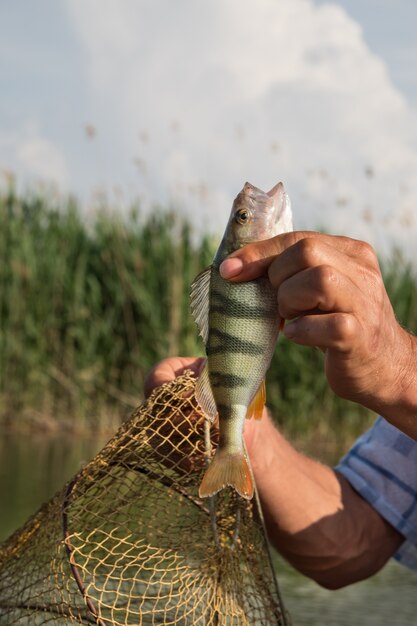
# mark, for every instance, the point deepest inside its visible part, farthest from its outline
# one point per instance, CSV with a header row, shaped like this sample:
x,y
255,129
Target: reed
x,y
88,306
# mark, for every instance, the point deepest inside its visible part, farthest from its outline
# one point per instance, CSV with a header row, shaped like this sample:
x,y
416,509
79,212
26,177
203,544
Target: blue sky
x,y
181,103
389,29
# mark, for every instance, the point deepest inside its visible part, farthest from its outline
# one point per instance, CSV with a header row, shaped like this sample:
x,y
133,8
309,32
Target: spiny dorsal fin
x,y
199,302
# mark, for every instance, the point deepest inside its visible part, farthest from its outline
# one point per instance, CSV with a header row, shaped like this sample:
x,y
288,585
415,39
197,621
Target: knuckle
x,y
309,251
325,276
366,252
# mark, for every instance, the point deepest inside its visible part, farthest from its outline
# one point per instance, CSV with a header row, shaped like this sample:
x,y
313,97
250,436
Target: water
x,y
33,468
387,599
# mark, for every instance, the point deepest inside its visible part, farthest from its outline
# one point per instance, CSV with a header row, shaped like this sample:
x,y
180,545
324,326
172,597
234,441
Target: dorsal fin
x,y
199,302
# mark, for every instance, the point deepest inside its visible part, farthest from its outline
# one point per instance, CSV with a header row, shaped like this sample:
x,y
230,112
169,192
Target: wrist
x,y
397,402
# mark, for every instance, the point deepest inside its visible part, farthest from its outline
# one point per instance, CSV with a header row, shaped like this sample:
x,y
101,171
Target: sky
x,y
177,104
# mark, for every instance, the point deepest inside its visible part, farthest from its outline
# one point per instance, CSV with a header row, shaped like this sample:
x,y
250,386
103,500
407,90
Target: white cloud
x,y
208,94
33,156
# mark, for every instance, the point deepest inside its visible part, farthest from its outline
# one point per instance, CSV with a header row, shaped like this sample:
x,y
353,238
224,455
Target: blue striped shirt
x,y
382,467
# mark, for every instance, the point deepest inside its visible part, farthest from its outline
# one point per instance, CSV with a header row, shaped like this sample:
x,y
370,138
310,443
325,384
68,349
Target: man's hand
x,y
331,290
180,440
167,370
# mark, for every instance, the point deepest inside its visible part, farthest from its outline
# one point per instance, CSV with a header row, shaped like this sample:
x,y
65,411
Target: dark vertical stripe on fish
x,y
232,308
232,344
228,381
225,411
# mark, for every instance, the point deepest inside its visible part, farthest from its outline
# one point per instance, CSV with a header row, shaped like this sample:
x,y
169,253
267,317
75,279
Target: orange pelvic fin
x,y
256,407
227,469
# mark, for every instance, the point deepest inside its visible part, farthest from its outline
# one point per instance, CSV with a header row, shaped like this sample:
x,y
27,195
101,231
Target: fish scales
x,y
239,323
238,343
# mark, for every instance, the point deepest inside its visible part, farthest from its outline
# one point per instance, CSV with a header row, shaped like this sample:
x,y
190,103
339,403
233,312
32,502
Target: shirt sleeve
x,y
382,467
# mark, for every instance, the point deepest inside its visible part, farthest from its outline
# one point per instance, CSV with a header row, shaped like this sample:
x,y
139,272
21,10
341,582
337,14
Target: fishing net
x,y
128,540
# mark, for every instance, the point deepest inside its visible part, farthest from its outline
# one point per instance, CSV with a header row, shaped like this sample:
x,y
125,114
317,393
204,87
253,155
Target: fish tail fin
x,y
227,469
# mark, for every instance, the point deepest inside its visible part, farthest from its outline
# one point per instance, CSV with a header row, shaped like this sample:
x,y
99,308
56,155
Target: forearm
x,y
313,517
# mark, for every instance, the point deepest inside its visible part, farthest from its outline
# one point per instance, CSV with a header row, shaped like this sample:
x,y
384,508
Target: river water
x,y
33,468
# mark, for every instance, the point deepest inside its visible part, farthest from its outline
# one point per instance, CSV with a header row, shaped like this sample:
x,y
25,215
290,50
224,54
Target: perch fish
x,y
239,324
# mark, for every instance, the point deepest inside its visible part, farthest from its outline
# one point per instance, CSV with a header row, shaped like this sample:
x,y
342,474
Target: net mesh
x,y
128,540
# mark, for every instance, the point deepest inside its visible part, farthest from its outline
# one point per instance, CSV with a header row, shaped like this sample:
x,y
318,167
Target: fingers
x,y
338,331
326,253
322,289
169,369
254,260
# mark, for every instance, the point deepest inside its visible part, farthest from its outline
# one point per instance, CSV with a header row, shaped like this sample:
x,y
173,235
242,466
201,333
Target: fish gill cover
x,y
128,540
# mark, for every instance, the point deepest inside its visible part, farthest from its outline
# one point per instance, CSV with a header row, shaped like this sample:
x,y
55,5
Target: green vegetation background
x,y
88,305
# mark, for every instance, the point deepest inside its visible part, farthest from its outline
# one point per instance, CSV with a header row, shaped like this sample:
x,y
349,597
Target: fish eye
x,y
242,216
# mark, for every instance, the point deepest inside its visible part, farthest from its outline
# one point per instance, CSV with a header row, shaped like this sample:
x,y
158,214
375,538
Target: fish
x,y
239,324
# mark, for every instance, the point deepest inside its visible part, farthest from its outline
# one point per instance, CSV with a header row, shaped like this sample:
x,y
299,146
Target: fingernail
x,y
231,267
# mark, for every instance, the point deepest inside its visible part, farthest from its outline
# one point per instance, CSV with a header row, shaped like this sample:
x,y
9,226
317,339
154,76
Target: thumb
x,y
254,259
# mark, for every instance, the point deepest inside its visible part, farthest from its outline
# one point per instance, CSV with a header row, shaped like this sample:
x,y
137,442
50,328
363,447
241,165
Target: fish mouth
x,y
257,216
271,210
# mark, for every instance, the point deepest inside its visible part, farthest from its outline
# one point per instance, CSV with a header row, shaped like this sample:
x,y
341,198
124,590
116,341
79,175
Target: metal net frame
x,y
128,540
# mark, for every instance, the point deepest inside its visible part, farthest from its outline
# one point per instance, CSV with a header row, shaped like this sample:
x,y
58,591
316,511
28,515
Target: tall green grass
x,y
88,306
